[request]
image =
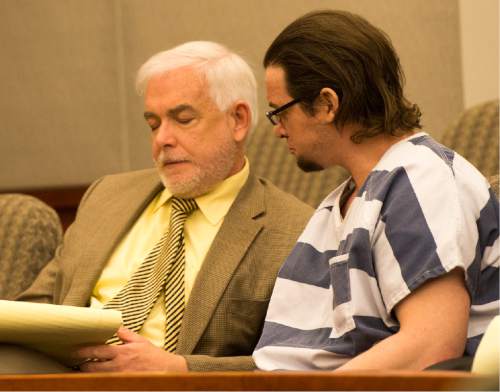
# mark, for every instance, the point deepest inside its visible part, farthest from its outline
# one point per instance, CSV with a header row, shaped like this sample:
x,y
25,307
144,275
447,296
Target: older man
x,y
189,260
398,267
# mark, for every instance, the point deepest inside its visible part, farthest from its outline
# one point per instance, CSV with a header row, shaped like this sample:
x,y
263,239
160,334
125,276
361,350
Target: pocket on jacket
x,y
244,322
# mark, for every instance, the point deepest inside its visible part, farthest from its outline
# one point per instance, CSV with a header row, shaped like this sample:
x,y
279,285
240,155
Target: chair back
x,y
474,135
30,232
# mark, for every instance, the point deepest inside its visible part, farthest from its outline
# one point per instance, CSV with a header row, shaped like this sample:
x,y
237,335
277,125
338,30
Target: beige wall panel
x,y
480,48
68,106
424,32
58,100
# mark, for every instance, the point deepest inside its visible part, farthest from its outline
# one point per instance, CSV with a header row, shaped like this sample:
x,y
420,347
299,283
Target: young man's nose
x,y
279,130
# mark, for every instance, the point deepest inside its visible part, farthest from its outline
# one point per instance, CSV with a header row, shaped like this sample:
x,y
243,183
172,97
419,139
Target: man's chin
x,y
308,166
185,187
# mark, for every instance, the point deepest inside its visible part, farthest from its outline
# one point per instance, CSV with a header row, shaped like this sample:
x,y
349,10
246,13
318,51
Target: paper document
x,y
56,330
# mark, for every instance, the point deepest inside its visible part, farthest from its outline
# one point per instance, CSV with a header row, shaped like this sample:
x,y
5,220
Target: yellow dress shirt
x,y
200,229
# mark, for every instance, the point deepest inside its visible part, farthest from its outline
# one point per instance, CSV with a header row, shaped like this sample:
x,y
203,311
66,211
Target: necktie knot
x,y
184,205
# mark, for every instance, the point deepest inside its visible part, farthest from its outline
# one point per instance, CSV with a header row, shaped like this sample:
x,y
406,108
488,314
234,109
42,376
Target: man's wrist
x,y
177,364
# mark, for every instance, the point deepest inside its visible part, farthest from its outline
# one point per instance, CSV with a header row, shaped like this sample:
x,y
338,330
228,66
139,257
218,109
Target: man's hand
x,y
136,354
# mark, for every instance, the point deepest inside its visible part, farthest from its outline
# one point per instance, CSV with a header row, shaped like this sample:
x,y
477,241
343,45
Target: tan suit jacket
x,y
226,309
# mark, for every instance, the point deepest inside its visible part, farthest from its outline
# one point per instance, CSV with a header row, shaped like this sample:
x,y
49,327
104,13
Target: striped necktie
x,y
163,268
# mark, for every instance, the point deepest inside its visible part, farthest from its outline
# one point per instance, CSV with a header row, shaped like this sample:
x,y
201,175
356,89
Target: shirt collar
x,y
215,204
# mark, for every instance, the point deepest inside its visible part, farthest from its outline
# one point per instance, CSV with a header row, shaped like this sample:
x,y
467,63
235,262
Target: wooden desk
x,y
366,380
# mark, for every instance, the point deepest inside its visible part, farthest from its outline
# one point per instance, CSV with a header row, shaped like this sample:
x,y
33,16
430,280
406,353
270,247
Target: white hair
x,y
229,77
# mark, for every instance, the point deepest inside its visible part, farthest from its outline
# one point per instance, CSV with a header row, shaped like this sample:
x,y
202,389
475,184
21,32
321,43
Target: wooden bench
x,y
230,381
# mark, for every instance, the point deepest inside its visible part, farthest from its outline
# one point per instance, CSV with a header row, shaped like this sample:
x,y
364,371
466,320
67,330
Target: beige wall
x,y
68,108
479,48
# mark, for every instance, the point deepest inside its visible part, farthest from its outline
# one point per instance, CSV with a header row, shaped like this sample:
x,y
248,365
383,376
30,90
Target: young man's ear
x,y
242,118
328,105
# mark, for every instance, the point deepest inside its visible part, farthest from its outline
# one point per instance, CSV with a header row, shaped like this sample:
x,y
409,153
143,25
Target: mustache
x,y
165,158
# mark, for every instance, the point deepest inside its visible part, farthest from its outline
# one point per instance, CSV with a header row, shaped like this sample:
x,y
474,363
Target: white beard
x,y
205,177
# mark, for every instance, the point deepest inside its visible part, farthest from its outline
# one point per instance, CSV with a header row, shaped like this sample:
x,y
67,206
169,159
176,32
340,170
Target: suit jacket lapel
x,y
228,249
114,218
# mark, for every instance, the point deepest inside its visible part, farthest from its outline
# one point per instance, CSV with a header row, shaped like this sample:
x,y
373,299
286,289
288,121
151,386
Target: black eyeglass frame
x,y
282,108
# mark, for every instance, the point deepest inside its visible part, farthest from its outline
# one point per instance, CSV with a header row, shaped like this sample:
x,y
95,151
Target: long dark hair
x,y
343,51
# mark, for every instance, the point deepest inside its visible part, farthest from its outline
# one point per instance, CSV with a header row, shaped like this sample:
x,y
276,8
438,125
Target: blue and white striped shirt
x,y
423,211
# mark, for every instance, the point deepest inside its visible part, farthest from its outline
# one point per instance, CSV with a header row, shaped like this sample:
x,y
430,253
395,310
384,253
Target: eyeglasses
x,y
273,115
